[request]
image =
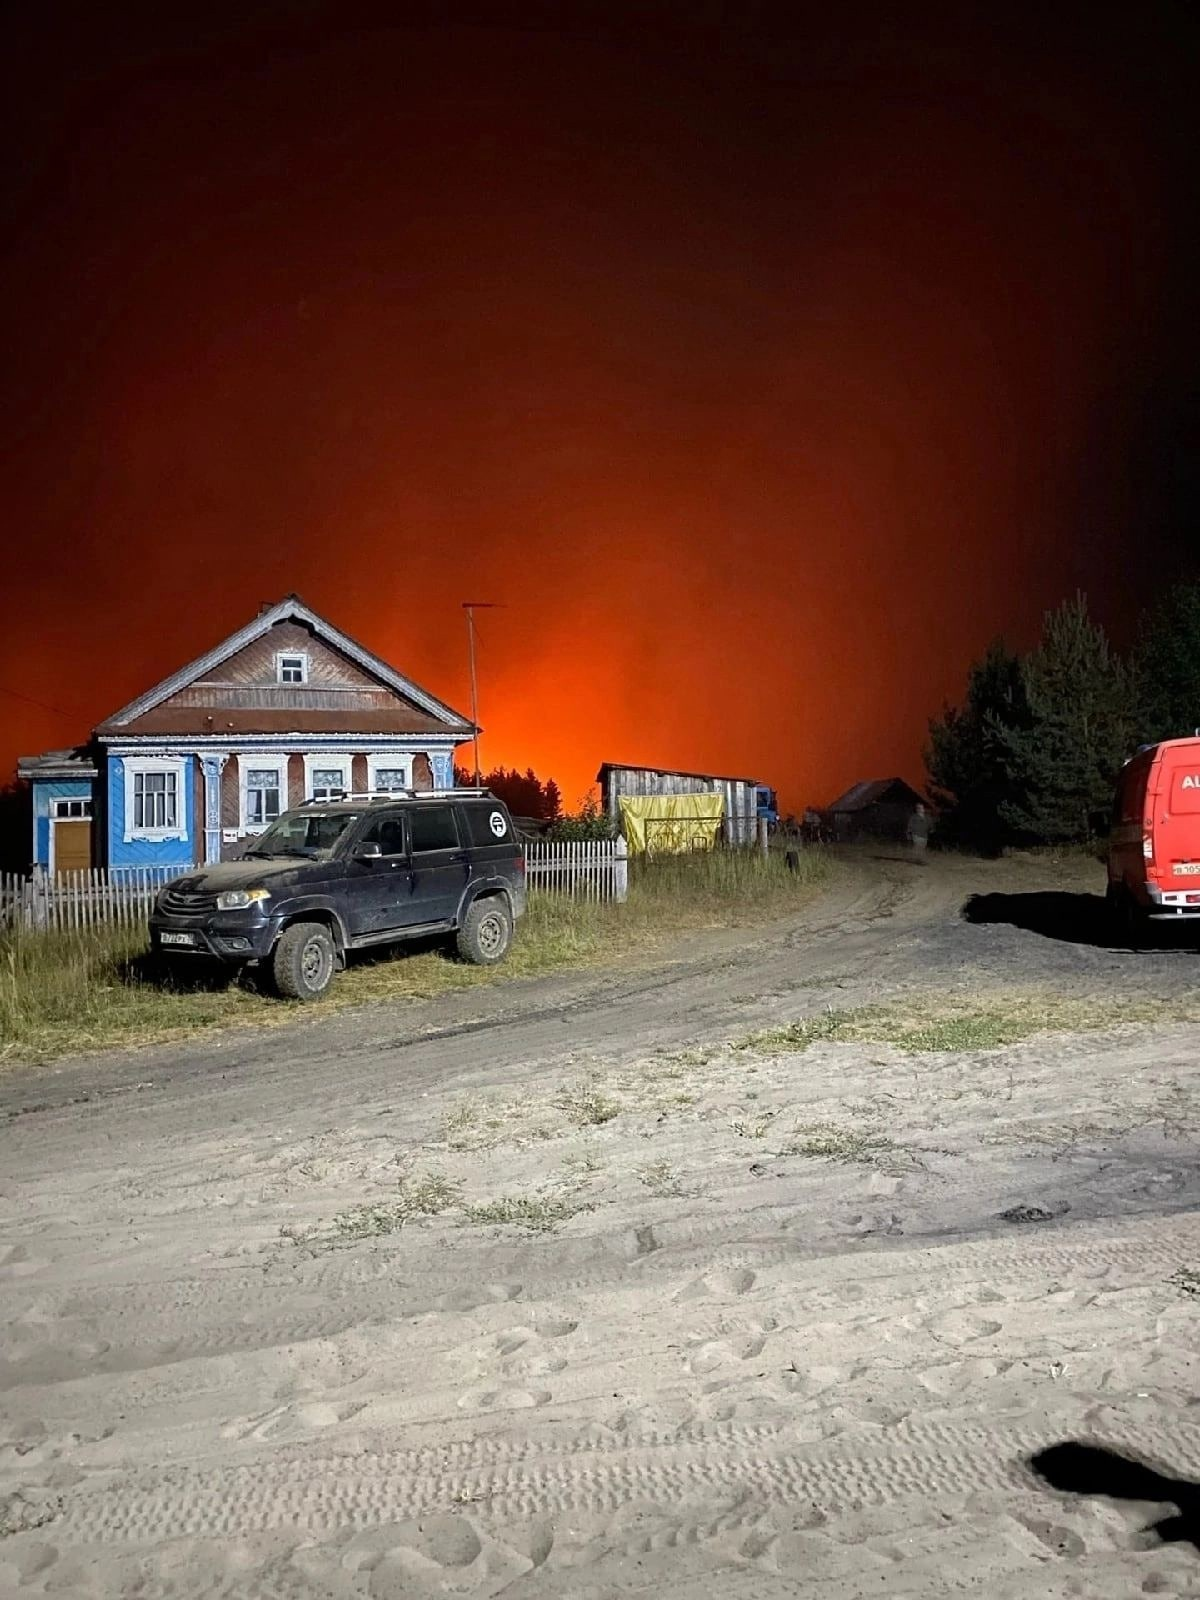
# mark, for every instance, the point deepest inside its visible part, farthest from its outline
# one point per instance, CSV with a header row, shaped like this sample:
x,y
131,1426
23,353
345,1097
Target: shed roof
x,y
668,772
895,791
56,764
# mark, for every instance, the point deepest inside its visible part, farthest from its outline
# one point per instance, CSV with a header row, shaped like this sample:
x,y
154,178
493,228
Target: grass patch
x,y
660,1178
930,1022
426,1196
753,1130
587,1107
828,1141
89,989
699,1056
582,1170
85,989
1187,1281
539,1213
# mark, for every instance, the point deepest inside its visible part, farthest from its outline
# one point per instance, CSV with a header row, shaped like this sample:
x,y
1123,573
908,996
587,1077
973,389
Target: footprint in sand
x,y
446,1554
873,1224
503,1399
962,1327
487,1294
290,1421
1062,1541
710,1354
719,1285
16,1262
521,1349
511,1340
952,1378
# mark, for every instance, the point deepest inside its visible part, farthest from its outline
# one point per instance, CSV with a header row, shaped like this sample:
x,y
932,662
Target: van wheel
x,y
303,961
486,933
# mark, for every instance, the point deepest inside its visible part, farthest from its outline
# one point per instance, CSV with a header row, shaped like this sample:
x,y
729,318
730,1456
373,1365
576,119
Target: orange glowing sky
x,y
762,370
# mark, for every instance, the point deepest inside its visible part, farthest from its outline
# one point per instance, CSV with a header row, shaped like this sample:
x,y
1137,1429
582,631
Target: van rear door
x,y
1177,817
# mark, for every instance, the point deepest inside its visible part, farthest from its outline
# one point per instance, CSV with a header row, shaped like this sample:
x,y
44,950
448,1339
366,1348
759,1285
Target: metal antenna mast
x,y
471,607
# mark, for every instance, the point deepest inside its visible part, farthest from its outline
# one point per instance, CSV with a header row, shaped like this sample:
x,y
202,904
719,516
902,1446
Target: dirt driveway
x,y
566,1289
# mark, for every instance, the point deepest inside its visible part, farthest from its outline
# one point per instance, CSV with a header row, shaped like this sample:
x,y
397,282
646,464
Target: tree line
x,y
1031,754
529,797
524,793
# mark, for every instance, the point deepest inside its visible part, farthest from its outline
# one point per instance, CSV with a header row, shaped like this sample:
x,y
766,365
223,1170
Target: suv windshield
x,y
304,833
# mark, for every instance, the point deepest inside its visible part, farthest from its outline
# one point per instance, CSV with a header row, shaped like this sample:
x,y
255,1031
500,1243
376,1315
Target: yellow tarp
x,y
658,824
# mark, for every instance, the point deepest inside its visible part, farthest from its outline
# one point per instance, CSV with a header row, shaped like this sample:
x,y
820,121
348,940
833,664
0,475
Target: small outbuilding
x,y
879,808
739,813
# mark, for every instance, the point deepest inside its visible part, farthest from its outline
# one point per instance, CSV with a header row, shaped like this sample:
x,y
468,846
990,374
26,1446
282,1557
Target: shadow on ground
x,y
1075,918
195,975
1088,1469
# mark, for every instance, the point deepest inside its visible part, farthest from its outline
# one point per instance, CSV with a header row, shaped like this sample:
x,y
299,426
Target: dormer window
x,y
291,667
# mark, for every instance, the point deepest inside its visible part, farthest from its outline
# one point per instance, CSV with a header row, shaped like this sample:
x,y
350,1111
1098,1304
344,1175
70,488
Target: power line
x,y
43,705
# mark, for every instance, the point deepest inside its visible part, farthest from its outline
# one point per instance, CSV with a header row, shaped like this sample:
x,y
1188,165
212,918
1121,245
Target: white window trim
x,y
260,761
291,655
70,800
322,758
389,758
133,765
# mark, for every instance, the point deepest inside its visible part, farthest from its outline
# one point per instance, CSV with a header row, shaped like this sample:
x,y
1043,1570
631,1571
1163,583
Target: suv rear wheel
x,y
303,961
486,932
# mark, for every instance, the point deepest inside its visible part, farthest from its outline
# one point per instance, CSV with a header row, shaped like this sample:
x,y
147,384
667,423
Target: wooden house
x,y
286,709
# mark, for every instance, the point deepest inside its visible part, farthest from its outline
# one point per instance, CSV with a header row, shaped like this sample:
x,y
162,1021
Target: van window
x,y
487,824
432,828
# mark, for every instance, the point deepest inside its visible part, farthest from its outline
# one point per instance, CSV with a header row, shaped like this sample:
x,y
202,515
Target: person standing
x,y
918,827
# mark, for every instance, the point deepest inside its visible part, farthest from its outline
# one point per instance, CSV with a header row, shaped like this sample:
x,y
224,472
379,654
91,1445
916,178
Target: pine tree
x,y
1166,667
1078,730
970,776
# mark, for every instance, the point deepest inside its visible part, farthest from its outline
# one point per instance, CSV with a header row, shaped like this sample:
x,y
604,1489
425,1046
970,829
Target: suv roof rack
x,y
380,796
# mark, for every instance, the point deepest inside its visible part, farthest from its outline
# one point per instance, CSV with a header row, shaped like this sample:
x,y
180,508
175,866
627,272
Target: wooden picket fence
x,y
587,869
71,900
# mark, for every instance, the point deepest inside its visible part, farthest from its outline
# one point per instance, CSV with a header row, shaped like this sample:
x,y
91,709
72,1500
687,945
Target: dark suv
x,y
340,875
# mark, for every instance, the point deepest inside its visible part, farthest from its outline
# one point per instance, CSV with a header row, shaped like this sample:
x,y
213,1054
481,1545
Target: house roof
x,y
861,795
56,764
167,721
432,715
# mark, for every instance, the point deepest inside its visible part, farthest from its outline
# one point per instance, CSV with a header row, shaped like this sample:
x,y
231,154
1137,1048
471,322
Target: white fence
x,y
589,869
80,899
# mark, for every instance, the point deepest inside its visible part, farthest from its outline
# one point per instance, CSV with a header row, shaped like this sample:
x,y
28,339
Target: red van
x,y
1154,846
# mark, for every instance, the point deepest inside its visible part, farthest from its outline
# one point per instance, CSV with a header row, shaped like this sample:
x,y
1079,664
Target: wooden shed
x,y
879,808
739,794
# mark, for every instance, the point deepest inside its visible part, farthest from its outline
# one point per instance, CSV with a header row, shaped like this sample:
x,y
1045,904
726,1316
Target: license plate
x,y
1186,869
177,938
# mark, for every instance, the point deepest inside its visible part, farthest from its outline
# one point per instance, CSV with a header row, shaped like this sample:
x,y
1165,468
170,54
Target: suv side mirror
x,y
368,851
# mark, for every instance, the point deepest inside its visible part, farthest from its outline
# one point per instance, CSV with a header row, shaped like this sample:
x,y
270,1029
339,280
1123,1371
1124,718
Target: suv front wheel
x,y
303,961
486,932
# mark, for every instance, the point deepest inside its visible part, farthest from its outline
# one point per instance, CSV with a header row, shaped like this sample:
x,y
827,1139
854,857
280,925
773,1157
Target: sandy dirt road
x,y
795,1325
